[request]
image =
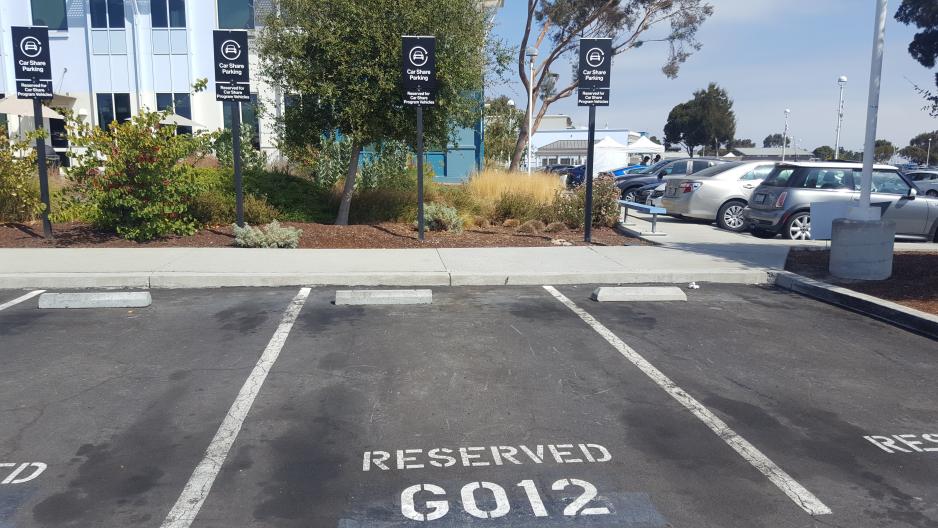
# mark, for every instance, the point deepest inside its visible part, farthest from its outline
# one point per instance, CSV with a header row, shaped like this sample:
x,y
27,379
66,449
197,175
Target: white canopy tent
x,y
609,154
643,145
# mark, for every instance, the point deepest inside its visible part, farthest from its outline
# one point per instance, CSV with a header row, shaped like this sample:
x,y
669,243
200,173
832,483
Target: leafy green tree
x,y
554,27
706,120
343,57
741,143
775,140
884,152
502,122
923,14
824,153
917,150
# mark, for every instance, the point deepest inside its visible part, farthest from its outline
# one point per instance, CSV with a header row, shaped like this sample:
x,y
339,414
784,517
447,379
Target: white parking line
x,y
18,300
200,483
795,491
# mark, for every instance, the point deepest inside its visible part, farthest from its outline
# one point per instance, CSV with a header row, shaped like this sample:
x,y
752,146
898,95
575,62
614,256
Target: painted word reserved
x,y
906,443
444,457
21,472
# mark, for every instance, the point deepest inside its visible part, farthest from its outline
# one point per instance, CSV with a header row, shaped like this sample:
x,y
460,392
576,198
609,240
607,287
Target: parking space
x,y
110,410
499,407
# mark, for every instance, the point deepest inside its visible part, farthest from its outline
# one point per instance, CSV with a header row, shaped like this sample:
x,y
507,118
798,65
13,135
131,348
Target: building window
x,y
248,118
179,104
57,133
107,14
50,13
112,107
168,13
236,14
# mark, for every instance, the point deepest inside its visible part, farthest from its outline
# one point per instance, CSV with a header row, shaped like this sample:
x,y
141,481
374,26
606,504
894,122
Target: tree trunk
x,y
520,148
346,203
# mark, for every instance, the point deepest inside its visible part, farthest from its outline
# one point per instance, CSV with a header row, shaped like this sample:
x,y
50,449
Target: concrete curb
x,y
889,312
179,280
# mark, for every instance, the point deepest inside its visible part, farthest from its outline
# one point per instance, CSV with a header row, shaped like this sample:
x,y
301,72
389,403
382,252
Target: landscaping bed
x,y
315,236
914,281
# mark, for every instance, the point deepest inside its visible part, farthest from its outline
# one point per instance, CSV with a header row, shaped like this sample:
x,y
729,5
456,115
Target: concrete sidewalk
x,y
221,267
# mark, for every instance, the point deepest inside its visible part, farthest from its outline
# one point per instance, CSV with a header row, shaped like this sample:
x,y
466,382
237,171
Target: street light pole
x,y
928,156
872,113
785,135
842,81
531,54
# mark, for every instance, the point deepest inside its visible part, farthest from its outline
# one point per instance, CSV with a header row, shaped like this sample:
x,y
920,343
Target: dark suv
x,y
631,183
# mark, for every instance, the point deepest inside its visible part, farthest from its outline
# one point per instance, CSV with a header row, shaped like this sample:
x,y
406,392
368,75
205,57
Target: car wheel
x,y
762,233
730,216
798,227
932,193
629,195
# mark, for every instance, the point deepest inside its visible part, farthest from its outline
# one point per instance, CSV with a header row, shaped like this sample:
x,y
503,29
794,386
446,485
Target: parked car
x,y
556,169
630,184
719,193
782,203
925,180
650,192
574,176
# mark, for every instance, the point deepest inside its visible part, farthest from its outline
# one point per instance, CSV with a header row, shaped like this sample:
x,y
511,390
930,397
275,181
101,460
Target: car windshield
x,y
652,168
717,169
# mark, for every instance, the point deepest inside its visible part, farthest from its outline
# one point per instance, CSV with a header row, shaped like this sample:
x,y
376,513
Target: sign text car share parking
x,y
418,72
233,83
32,68
593,90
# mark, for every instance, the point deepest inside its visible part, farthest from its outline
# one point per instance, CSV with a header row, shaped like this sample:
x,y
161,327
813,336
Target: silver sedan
x,y
719,193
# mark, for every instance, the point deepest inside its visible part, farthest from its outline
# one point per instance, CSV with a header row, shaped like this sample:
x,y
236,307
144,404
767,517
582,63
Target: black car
x,y
630,184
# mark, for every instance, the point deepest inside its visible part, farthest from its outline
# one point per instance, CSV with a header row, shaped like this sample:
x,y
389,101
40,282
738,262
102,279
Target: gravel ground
x,y
315,236
914,281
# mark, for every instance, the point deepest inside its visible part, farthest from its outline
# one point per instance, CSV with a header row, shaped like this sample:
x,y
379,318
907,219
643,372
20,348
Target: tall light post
x,y
862,244
785,135
531,54
842,81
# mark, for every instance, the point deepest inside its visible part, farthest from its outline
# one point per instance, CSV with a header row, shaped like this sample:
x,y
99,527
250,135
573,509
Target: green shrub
x,y
19,181
218,208
386,168
570,208
330,163
132,175
441,217
520,206
252,160
70,206
273,235
297,199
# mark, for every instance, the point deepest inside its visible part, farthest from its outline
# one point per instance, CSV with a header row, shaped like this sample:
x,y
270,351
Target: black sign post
x,y
233,83
593,76
418,68
33,73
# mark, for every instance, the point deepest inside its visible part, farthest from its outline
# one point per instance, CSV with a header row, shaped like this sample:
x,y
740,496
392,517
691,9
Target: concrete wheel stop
x,y
95,300
368,297
639,294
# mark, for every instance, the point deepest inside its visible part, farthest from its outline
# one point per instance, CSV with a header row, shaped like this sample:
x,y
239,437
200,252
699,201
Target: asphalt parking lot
x,y
492,407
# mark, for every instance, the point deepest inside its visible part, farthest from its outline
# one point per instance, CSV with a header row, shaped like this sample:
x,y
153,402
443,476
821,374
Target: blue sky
x,y
770,55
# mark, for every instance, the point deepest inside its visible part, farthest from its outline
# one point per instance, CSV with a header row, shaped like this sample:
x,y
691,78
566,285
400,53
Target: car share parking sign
x,y
594,71
232,73
32,64
419,70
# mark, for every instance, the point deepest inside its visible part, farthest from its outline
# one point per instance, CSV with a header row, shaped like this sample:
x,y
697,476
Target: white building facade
x,y
110,58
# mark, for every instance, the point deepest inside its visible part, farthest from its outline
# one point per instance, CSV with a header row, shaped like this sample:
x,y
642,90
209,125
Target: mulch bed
x,y
914,281
315,236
